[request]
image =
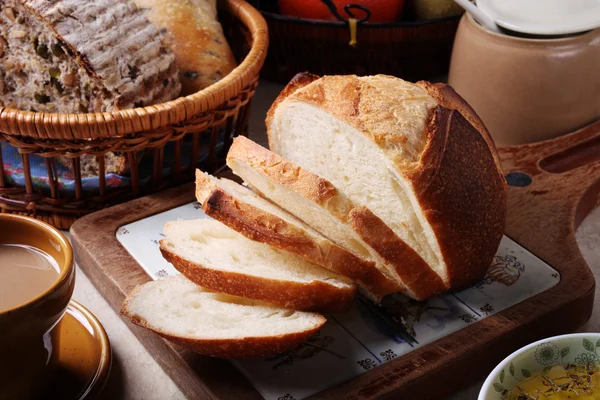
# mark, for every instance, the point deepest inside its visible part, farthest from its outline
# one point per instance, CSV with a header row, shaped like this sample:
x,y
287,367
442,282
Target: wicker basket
x,y
412,50
173,138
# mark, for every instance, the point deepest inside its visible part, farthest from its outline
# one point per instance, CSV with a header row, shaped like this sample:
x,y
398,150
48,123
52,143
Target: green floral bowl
x,y
582,349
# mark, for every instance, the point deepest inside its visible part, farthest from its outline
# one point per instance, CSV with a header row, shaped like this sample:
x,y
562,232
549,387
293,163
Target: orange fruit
x,y
381,10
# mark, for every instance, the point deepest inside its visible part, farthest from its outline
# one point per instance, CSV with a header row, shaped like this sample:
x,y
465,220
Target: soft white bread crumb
x,y
221,259
330,147
210,243
215,323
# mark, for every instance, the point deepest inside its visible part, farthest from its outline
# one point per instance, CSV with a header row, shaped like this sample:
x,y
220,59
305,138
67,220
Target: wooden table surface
x,y
135,374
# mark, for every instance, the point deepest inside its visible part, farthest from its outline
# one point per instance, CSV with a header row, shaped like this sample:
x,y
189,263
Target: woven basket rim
x,y
123,122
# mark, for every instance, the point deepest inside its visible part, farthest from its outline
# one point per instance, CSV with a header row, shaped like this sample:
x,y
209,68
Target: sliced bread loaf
x,y
318,203
415,155
221,259
258,219
216,324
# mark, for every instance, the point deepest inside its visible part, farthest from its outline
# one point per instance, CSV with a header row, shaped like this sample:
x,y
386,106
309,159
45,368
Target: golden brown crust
x,y
390,112
241,348
310,296
462,194
448,98
281,171
415,273
244,347
261,226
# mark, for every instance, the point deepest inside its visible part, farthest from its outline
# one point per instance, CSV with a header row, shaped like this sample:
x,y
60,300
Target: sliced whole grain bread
x,y
217,324
218,258
72,56
241,209
319,204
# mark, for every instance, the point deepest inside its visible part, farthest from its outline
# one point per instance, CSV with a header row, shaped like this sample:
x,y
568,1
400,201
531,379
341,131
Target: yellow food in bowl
x,y
560,383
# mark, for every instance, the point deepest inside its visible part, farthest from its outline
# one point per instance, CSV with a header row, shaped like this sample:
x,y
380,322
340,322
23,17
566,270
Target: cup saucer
x,y
84,357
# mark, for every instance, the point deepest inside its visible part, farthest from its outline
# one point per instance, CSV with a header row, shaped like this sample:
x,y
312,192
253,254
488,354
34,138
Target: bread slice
x,y
414,154
318,203
216,324
258,219
220,259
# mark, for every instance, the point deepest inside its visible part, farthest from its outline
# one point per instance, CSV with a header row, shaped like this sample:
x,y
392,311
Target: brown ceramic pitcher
x,y
524,89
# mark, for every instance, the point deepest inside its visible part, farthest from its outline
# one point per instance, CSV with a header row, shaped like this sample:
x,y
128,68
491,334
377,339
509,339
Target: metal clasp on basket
x,y
352,22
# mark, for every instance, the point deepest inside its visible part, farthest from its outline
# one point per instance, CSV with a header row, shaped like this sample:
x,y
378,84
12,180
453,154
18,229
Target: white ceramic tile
x,y
141,238
308,369
373,331
515,275
363,337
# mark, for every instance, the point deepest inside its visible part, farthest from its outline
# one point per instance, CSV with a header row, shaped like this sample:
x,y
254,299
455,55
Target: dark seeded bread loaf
x,y
82,56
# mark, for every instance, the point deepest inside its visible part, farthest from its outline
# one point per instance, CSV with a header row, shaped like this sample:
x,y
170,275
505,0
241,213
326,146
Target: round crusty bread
x,y
318,203
216,324
415,155
258,219
221,259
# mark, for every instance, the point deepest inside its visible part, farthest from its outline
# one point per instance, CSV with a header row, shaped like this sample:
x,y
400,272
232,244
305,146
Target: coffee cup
x,y
29,330
527,89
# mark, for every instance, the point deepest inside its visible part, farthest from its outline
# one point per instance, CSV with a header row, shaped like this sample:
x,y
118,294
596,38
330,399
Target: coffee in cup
x,y
37,278
25,272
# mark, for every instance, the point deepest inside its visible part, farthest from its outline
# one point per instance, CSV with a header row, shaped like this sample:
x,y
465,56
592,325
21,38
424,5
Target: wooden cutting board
x,y
553,186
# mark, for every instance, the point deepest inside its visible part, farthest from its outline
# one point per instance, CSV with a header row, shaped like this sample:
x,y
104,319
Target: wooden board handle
x,y
561,172
553,185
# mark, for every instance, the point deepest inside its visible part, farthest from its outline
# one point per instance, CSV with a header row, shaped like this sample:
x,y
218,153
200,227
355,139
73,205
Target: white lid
x,y
543,17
